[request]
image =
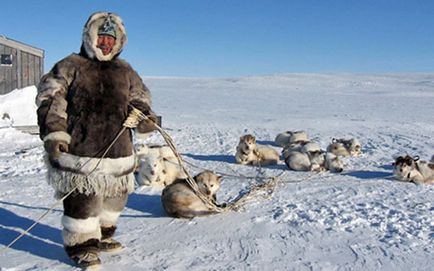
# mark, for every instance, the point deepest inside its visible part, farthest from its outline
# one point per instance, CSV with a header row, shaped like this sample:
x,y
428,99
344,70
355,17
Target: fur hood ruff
x,y
90,36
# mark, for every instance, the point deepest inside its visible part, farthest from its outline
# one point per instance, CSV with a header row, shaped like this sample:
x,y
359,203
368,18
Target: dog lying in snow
x,y
313,161
288,137
409,169
157,166
179,199
250,153
344,147
300,146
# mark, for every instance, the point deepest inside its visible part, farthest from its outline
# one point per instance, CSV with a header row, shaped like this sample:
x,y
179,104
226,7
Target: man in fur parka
x,y
82,104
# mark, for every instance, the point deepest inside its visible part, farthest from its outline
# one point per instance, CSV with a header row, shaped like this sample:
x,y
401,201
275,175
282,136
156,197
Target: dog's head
x,y
337,148
354,147
152,167
333,163
208,182
403,165
247,143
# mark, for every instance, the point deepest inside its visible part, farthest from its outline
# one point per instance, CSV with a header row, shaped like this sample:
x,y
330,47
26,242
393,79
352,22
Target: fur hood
x,y
90,36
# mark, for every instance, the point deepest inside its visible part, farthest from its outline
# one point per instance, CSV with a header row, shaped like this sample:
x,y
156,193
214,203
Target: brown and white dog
x,y
411,169
345,147
288,137
250,153
180,200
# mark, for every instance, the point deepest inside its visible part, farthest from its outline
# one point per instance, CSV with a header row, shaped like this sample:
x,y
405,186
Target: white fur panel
x,y
109,218
90,36
88,165
59,135
105,185
76,225
73,238
48,90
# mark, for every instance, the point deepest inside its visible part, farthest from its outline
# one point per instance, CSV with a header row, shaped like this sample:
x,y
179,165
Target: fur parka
x,y
84,101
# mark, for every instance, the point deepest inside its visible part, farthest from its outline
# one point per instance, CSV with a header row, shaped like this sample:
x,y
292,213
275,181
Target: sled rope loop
x,y
131,122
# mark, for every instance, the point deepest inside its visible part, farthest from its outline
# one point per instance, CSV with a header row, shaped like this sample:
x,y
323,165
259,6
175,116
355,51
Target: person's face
x,y
105,43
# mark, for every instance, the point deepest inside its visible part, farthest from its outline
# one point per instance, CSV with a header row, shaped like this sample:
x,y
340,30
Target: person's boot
x,y
107,243
85,255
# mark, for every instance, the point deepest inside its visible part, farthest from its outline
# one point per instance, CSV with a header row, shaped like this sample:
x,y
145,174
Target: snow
x,y
18,107
361,219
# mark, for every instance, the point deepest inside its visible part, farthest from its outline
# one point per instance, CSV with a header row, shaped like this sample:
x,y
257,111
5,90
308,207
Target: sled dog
x,y
333,163
288,137
155,150
157,166
179,199
344,147
250,153
313,161
411,169
300,146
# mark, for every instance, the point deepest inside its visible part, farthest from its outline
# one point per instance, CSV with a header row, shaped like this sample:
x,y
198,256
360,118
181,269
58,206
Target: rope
x,y
131,122
235,205
207,201
36,222
223,173
134,118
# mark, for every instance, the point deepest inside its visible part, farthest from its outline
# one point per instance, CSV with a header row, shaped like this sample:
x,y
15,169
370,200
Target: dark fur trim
x,y
107,232
90,245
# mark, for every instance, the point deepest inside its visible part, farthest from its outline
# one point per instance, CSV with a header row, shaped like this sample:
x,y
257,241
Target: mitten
x,y
53,149
148,125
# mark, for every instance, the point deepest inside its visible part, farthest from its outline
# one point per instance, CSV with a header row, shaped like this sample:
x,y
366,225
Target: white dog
x,y
250,153
154,149
313,161
288,137
409,169
344,147
333,163
300,146
157,166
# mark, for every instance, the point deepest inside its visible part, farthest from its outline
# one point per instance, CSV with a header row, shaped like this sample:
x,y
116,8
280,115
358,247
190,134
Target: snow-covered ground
x,y
360,219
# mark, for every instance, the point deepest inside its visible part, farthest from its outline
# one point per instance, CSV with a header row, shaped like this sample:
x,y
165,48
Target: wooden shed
x,y
21,65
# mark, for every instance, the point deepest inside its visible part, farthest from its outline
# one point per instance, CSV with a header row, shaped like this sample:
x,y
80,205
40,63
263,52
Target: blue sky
x,y
239,38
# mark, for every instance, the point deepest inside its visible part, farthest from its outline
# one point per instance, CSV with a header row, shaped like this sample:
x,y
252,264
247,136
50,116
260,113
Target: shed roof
x,y
21,46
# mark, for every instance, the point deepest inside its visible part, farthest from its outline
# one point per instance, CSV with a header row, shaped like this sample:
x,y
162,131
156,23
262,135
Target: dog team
x,y
158,166
299,153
